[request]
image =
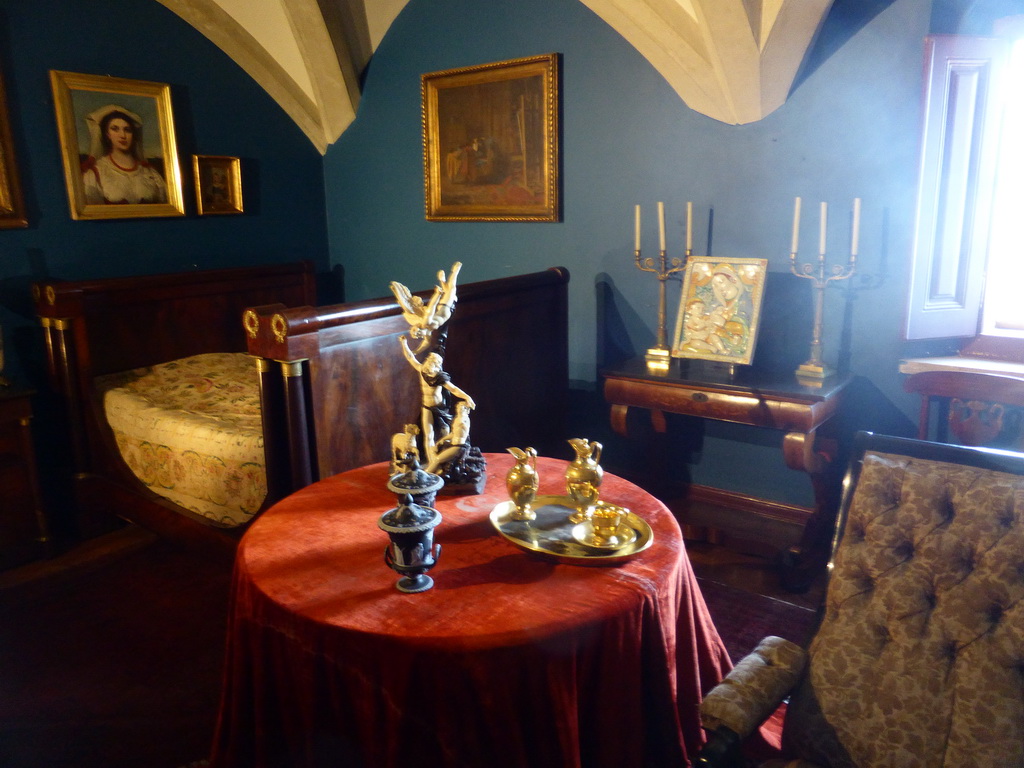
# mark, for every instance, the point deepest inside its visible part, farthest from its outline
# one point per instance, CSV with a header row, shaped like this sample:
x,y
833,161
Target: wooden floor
x,y
88,554
750,573
103,661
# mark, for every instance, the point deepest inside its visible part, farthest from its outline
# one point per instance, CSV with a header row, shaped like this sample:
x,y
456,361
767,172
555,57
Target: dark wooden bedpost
x,y
60,353
276,459
297,416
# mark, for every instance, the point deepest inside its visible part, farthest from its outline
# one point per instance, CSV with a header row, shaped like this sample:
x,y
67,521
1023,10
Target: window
x,y
959,154
1003,310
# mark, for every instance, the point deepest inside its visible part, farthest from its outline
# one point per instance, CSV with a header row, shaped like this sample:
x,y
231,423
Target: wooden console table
x,y
773,400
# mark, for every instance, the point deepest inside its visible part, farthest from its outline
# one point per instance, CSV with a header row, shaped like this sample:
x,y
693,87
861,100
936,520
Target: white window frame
x,y
959,152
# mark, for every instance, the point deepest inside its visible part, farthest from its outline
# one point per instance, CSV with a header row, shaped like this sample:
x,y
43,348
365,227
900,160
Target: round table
x,y
510,660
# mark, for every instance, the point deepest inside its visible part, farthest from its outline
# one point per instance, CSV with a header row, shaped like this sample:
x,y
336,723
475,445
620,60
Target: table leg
x,y
658,422
805,453
620,415
619,419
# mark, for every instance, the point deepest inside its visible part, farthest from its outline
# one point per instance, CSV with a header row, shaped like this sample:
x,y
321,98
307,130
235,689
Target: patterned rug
x,y
743,618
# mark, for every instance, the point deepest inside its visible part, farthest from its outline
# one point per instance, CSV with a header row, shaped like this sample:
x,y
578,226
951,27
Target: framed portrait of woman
x,y
117,146
720,309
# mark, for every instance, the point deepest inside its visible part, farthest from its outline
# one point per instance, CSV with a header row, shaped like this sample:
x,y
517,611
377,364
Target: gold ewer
x,y
521,483
583,478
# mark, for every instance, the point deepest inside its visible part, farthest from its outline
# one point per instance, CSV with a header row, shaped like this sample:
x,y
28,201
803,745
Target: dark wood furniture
x,y
757,398
336,387
97,327
334,384
511,660
24,528
915,658
972,406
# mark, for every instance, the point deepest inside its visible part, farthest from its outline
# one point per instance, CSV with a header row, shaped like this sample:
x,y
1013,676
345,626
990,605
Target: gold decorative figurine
x,y
443,431
521,482
583,478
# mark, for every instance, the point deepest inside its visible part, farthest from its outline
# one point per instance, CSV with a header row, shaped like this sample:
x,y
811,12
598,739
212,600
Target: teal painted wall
x,y
217,110
849,129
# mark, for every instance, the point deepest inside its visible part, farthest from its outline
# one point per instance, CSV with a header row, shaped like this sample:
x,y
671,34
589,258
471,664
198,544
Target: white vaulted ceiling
x,y
732,60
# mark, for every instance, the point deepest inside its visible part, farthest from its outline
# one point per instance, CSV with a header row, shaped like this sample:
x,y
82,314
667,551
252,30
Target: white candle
x,y
661,226
689,227
824,220
637,228
856,227
796,224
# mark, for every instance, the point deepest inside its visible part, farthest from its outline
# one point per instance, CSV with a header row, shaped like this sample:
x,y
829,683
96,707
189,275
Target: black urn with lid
x,y
410,527
421,485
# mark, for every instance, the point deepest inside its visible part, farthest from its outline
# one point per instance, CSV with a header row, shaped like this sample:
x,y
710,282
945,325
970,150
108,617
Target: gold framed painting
x,y
117,146
12,204
218,184
490,141
720,309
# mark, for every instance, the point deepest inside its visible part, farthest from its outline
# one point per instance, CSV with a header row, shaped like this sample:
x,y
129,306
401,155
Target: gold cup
x,y
605,520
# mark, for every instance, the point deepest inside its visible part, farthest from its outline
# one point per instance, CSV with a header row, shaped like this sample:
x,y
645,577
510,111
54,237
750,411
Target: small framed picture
x,y
218,184
720,309
12,204
490,141
117,145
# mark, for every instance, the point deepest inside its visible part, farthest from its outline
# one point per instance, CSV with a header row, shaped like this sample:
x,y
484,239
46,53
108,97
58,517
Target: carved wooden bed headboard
x,y
336,387
96,327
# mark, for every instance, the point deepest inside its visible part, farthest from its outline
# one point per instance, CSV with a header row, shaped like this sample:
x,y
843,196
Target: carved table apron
x,y
776,401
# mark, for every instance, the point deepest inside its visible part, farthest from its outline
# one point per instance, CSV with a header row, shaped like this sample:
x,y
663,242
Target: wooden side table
x,y
773,400
24,529
511,660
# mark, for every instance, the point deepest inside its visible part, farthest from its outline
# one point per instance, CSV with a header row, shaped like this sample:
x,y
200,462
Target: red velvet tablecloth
x,y
510,660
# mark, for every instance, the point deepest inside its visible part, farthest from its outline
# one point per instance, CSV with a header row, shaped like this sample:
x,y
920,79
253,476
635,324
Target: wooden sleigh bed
x,y
328,386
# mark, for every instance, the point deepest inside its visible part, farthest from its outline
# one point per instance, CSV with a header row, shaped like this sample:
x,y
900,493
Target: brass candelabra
x,y
659,356
814,368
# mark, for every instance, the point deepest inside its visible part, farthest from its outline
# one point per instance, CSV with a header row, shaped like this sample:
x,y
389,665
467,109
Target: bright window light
x,y
1003,313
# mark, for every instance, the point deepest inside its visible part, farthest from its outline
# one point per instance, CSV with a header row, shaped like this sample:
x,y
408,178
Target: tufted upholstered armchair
x,y
918,661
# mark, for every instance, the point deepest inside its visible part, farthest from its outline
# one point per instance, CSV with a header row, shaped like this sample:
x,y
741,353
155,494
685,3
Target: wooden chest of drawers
x,y
24,533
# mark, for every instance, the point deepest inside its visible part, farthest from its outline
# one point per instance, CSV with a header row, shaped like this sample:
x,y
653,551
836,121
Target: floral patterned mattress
x,y
191,431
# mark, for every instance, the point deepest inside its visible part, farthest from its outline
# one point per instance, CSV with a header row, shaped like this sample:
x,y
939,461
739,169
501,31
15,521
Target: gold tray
x,y
550,534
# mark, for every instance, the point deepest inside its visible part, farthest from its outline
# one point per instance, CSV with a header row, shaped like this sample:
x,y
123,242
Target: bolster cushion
x,y
754,688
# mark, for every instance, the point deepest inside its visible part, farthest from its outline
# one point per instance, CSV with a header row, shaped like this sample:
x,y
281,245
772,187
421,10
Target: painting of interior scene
x,y
492,140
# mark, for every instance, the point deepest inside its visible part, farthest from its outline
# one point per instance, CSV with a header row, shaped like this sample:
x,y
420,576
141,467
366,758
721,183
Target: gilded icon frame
x,y
720,309
491,141
75,98
218,180
12,203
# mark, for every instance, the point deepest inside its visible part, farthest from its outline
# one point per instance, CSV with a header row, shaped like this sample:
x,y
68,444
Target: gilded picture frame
x,y
117,146
720,309
12,203
218,181
490,141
